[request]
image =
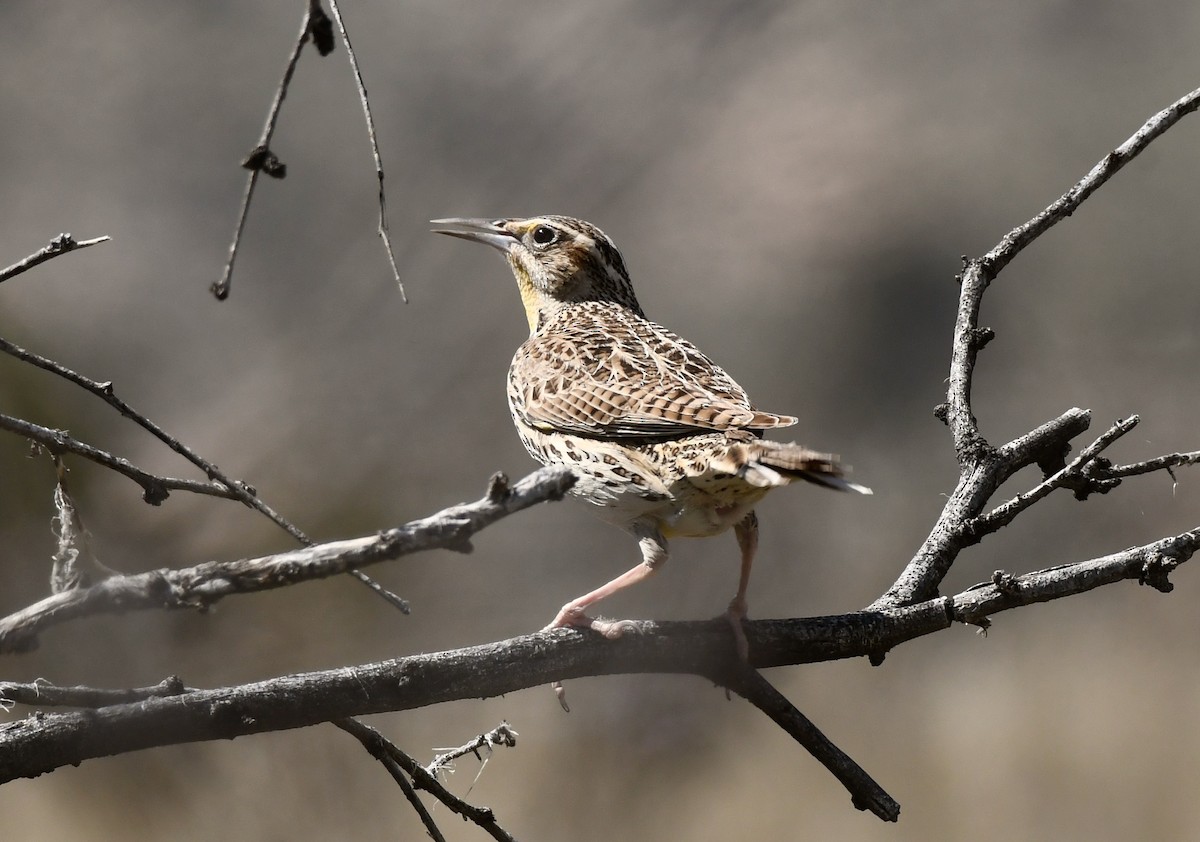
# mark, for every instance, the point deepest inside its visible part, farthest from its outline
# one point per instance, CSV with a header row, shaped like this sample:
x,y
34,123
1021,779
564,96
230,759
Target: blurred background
x,y
792,186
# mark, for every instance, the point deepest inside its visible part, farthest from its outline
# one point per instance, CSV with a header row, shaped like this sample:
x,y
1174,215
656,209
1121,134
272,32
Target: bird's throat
x,y
529,297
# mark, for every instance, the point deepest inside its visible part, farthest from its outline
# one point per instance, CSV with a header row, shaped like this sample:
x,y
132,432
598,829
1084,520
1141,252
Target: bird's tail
x,y
768,463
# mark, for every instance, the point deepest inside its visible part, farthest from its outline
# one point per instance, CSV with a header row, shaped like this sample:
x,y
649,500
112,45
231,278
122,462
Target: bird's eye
x,y
543,235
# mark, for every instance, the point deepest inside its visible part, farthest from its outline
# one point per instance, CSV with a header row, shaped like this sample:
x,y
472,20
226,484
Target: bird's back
x,y
598,369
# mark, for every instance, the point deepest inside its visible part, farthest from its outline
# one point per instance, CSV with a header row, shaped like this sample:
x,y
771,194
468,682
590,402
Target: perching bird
x,y
660,438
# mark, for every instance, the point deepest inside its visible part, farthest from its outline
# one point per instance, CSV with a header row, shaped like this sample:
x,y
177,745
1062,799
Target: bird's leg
x,y
654,555
746,531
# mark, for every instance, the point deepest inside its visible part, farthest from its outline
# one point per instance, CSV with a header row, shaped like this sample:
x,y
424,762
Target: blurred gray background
x,y
792,185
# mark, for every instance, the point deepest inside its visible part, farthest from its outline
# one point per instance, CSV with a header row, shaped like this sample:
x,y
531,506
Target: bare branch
x,y
1047,446
61,244
1149,565
481,816
501,735
33,746
865,793
261,158
221,484
1161,463
1073,473
43,694
155,489
1017,239
384,751
204,584
982,467
384,233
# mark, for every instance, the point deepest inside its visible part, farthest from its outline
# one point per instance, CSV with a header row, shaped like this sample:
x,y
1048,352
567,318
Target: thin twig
x,y
262,159
202,585
1006,512
61,244
501,735
865,793
155,489
1149,564
43,694
384,233
481,816
384,751
1171,460
221,484
983,467
1016,240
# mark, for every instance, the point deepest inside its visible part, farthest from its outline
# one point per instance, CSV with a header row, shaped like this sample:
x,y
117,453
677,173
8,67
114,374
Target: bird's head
x,y
557,261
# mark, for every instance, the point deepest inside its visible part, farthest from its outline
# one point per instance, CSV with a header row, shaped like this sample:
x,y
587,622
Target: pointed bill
x,y
487,231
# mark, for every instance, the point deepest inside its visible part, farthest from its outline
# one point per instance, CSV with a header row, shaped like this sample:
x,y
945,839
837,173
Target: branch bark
x,y
983,467
204,584
161,716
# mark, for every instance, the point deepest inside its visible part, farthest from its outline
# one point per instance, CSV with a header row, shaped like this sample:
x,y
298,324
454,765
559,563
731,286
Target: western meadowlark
x,y
660,438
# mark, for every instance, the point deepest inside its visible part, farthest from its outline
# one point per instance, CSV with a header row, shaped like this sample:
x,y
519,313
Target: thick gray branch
x,y
36,745
206,583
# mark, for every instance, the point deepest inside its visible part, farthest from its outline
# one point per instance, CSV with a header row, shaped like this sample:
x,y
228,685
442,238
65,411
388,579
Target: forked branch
x,y
984,467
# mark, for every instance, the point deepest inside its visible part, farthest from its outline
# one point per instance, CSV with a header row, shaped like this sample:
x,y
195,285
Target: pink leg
x,y
747,537
654,554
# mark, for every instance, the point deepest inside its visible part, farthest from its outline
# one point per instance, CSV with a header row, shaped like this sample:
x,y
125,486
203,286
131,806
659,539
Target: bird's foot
x,y
573,617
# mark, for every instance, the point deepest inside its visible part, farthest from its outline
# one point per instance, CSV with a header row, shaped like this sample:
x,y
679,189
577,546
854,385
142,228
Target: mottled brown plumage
x,y
660,437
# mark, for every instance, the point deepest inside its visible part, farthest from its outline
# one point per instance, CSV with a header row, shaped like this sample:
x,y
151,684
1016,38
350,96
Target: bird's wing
x,y
612,374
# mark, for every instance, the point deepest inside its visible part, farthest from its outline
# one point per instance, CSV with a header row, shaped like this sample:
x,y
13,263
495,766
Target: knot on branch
x,y
262,159
238,485
974,448
986,267
154,491
1006,583
1053,457
61,243
1096,479
1093,477
942,413
229,718
498,489
320,27
172,685
981,336
1157,568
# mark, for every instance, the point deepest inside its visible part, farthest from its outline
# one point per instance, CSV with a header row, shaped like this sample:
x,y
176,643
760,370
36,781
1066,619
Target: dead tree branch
x,y
380,747
162,716
317,25
61,244
261,158
384,233
156,489
202,585
383,750
501,735
983,467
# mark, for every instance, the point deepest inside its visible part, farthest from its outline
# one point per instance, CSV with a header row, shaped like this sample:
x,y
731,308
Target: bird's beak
x,y
489,232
